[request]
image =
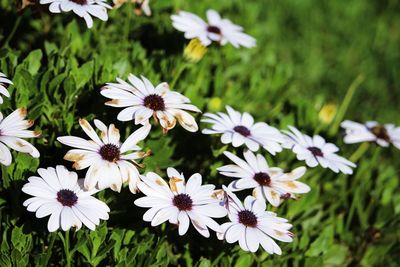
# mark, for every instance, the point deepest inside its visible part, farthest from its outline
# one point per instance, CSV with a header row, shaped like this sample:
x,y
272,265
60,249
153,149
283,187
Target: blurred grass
x,y
309,53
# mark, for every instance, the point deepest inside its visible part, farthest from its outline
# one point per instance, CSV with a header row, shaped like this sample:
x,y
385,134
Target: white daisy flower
x,y
371,131
216,29
141,101
4,82
110,162
316,151
180,202
270,183
59,193
12,129
83,8
252,226
239,129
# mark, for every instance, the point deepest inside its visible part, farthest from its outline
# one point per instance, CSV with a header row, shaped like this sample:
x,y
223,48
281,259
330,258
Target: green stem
x,y
345,104
14,29
66,249
356,195
49,249
178,75
5,177
359,152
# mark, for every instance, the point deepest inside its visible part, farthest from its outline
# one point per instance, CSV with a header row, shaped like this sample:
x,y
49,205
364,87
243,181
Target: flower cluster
x,y
216,29
112,163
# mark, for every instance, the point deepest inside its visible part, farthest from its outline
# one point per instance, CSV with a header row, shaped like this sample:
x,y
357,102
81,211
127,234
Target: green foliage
x,y
15,253
309,53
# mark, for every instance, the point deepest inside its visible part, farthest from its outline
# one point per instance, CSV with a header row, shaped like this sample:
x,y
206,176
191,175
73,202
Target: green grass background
x,y
309,53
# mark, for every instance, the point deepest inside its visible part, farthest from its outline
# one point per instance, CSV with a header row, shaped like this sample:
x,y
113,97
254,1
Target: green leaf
x,y
33,61
83,74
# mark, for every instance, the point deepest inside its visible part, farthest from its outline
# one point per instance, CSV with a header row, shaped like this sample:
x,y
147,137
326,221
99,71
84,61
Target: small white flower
x,y
239,129
316,151
216,29
83,8
252,226
270,183
371,131
180,202
3,89
110,162
141,101
140,5
12,129
59,193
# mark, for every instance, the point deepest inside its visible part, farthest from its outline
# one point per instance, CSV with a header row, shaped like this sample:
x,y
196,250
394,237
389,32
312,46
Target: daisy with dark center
x,y
218,30
4,82
12,129
244,131
83,8
154,102
180,202
316,151
110,162
213,29
371,131
58,192
67,197
239,128
247,218
268,183
183,202
141,101
252,226
380,132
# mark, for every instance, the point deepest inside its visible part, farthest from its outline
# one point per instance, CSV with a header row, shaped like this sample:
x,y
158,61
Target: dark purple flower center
x,y
381,133
247,218
183,202
242,130
80,2
316,151
213,29
110,152
66,197
154,102
262,178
